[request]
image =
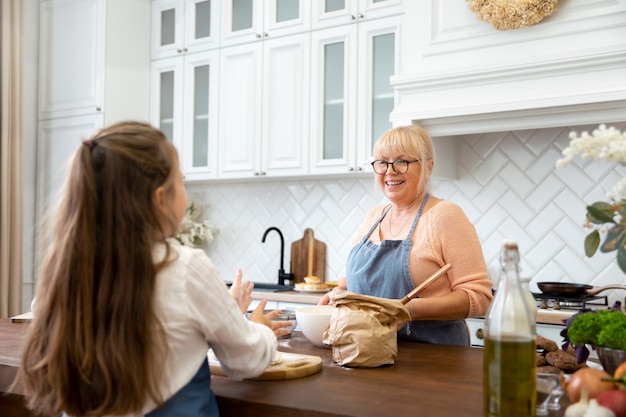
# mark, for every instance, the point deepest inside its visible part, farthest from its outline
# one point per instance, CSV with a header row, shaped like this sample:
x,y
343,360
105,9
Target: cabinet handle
x,y
480,334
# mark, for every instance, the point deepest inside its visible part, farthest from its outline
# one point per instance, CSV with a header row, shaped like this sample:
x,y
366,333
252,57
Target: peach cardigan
x,y
443,235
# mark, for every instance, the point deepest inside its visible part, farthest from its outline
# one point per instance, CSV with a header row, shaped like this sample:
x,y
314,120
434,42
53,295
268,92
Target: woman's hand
x,y
325,300
241,292
278,327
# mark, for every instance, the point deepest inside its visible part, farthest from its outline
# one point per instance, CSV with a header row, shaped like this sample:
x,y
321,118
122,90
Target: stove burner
x,y
571,303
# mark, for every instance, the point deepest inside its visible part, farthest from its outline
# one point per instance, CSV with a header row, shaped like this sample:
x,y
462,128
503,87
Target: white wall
x,y
507,185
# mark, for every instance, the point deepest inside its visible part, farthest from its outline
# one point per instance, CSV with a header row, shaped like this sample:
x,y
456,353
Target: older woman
x,y
401,244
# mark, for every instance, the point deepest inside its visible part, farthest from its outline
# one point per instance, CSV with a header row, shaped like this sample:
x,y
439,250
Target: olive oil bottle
x,y
509,373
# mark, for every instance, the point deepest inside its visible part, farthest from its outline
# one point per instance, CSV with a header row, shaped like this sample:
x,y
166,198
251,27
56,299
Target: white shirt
x,y
198,312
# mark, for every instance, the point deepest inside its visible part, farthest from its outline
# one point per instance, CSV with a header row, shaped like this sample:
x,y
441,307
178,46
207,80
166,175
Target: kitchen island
x,y
426,380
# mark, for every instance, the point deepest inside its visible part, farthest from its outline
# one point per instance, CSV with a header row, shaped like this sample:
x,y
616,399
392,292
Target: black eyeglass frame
x,y
403,162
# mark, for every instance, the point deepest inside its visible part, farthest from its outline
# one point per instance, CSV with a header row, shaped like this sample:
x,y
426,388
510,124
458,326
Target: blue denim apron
x,y
196,399
383,271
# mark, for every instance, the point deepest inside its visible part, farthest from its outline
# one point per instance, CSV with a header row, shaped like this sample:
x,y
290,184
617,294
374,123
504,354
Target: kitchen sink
x,y
268,287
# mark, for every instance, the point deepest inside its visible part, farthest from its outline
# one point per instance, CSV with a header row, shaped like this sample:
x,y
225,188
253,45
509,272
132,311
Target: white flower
x,y
604,144
193,232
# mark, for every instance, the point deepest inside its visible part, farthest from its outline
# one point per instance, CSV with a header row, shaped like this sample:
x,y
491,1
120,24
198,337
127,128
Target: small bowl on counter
x,y
285,315
313,321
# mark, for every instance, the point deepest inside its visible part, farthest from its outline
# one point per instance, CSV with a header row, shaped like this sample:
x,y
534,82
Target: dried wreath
x,y
512,14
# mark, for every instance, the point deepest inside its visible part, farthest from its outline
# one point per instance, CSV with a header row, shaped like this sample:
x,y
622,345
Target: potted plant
x,y
604,330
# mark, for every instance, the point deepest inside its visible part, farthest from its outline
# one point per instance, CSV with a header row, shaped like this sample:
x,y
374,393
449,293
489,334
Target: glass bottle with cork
x,y
509,372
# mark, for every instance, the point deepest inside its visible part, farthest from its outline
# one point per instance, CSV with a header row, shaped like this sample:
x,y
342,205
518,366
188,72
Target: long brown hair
x,y
95,342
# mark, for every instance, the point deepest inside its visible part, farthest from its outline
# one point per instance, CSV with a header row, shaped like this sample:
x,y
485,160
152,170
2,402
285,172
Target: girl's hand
x,y
241,292
278,327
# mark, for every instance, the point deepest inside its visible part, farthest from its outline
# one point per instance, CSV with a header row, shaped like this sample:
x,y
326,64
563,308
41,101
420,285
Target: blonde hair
x,y
412,141
95,343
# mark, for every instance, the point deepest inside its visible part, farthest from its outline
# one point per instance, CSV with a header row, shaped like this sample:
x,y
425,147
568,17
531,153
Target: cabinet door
x,y
333,105
199,144
378,61
58,140
341,12
250,20
240,110
286,86
180,26
167,98
71,31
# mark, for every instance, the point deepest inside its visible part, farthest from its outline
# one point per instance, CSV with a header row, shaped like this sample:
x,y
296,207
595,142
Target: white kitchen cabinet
x,y
264,99
254,20
184,26
184,106
340,12
350,107
94,59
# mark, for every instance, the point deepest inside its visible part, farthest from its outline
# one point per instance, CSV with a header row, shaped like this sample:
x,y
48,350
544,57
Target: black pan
x,y
566,289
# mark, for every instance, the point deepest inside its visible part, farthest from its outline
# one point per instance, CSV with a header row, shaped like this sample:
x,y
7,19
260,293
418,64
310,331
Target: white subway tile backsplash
x,y
507,185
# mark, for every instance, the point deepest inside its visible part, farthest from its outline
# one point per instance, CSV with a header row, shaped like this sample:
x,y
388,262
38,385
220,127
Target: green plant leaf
x,y
600,212
621,258
592,242
614,238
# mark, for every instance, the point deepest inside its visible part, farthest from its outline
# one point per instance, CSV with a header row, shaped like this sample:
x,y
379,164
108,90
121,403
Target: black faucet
x,y
282,275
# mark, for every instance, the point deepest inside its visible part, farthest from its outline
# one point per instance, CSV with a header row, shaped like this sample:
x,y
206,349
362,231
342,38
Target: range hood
x,y
562,91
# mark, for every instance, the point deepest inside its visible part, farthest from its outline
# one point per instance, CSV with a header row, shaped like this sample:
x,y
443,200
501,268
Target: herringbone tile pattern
x,y
507,185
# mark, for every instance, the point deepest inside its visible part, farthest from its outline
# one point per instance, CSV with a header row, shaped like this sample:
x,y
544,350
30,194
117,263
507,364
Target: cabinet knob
x,y
98,108
256,174
480,334
179,50
262,173
184,49
350,169
359,169
352,17
265,35
361,15
258,35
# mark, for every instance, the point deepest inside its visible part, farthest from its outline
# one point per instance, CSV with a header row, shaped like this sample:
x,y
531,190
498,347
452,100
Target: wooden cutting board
x,y
300,251
293,366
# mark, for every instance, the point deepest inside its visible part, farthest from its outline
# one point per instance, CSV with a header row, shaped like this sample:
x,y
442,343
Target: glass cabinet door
x,y
327,13
333,108
200,115
378,46
252,20
181,26
166,107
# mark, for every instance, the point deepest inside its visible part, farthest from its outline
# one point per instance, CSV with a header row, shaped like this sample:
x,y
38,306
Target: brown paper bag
x,y
362,330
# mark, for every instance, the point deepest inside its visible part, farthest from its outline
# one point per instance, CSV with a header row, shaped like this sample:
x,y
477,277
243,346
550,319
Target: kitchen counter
x,y
424,380
545,316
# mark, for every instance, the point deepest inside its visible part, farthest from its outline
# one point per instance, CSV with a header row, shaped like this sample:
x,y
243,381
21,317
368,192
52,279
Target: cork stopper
x,y
510,244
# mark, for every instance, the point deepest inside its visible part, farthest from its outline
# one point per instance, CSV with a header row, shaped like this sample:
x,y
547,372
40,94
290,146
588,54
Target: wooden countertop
x,y
422,381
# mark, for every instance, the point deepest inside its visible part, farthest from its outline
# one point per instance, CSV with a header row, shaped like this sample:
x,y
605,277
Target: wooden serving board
x,y
293,366
300,251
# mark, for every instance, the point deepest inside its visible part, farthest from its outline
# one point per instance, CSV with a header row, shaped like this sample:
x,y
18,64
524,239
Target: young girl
x,y
125,314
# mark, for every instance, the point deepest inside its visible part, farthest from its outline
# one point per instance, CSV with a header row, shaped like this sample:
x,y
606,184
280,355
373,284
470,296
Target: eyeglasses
x,y
400,166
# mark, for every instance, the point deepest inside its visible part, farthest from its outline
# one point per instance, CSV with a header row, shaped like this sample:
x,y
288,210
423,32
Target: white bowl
x,y
313,321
